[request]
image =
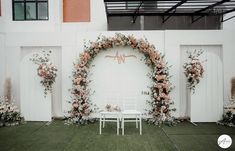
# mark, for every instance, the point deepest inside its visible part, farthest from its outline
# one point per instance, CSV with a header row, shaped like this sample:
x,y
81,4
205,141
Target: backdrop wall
x,y
71,45
205,104
2,62
56,100
34,107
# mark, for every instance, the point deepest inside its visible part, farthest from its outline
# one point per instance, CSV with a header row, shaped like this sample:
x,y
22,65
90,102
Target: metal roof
x,y
167,8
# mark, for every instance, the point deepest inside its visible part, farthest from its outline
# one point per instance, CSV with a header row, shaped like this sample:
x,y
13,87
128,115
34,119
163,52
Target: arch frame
x,y
81,105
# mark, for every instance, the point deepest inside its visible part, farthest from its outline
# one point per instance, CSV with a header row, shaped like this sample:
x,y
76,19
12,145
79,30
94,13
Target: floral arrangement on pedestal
x,y
46,70
193,69
9,113
160,99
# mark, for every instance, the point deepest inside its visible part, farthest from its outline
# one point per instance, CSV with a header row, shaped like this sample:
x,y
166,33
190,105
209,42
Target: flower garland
x,y
46,70
160,99
9,113
193,69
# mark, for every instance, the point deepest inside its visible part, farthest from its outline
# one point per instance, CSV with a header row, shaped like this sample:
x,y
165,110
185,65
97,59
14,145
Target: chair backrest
x,y
129,106
129,103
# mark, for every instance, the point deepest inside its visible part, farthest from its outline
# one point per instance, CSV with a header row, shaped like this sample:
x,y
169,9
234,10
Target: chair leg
x,y
117,126
136,121
140,126
122,126
104,122
100,125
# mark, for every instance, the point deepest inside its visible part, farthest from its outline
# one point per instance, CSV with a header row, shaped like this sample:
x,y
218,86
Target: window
x,y
30,10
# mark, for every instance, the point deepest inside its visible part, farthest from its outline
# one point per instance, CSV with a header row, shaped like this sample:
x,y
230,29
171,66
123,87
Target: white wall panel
x,y
72,44
206,104
34,106
120,83
2,62
56,104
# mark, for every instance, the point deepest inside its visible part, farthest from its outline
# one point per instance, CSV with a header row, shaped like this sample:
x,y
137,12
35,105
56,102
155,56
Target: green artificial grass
x,y
39,136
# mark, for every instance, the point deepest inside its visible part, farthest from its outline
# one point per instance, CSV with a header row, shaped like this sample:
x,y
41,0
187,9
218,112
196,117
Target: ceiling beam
x,y
211,6
175,6
128,0
172,8
229,11
159,14
136,11
206,8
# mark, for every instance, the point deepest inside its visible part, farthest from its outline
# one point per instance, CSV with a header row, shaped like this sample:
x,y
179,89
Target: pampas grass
x,y
8,88
233,88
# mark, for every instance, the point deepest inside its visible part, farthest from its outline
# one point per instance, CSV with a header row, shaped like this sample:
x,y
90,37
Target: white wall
x,y
55,22
205,104
8,25
34,105
56,58
98,19
70,37
120,83
173,40
156,38
230,24
2,62
72,44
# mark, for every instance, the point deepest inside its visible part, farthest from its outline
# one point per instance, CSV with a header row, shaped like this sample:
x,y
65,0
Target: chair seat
x,y
135,112
109,113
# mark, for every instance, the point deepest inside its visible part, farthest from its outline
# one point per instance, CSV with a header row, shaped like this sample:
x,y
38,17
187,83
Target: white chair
x,y
130,114
106,116
109,117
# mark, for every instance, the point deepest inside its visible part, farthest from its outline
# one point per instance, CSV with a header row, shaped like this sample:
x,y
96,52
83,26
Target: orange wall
x,y
76,10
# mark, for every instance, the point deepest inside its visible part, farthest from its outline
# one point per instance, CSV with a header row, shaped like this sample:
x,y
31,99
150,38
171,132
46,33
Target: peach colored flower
x,y
132,42
158,85
78,80
160,77
75,104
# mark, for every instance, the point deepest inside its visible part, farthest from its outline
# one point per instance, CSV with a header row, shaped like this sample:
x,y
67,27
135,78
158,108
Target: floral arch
x,y
160,100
